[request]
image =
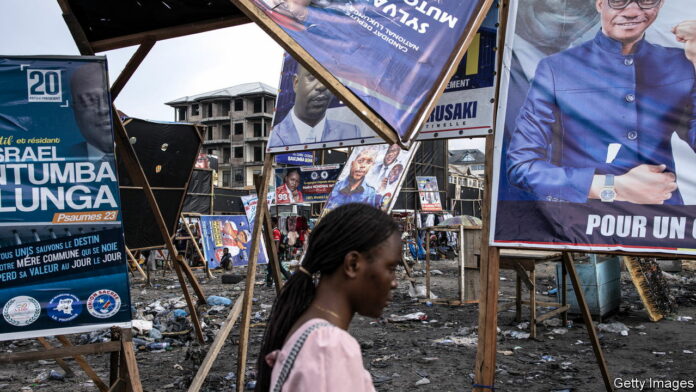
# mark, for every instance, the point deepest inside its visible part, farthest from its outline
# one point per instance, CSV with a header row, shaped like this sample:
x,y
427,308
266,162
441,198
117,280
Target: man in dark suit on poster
x,y
306,121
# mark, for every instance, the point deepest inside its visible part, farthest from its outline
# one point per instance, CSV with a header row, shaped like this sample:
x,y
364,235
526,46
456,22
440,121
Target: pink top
x,y
330,360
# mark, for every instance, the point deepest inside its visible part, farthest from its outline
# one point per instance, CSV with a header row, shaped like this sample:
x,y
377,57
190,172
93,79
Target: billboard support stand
x,y
587,318
194,240
261,211
124,368
273,258
135,170
484,370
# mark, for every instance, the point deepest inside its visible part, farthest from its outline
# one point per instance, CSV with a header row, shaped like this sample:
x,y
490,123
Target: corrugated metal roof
x,y
466,157
228,92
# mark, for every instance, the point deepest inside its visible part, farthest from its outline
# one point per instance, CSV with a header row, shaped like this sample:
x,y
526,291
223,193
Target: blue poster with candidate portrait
x,y
391,54
595,146
307,184
60,216
228,235
308,116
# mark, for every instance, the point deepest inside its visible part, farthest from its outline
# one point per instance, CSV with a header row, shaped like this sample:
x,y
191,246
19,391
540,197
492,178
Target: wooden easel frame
x,y
459,229
124,374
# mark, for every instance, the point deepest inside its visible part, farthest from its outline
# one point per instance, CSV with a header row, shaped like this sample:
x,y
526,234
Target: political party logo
x,y
314,176
21,311
103,303
64,307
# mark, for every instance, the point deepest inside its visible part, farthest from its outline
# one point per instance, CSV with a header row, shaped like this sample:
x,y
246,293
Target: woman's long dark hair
x,y
351,227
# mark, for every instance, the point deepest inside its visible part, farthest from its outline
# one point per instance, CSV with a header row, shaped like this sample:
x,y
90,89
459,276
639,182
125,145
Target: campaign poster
x,y
60,215
595,145
392,55
372,175
307,184
465,109
428,193
296,158
231,232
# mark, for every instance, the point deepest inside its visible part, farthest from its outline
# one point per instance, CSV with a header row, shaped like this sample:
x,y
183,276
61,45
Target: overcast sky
x,y
174,68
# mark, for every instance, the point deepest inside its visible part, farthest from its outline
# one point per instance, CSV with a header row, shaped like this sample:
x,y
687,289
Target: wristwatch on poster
x,y
608,193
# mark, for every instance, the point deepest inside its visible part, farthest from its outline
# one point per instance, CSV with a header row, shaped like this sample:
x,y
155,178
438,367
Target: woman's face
x,y
378,278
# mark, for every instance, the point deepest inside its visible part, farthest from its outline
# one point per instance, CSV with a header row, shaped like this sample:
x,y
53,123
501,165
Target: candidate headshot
x,y
92,109
289,192
353,188
307,122
598,119
380,171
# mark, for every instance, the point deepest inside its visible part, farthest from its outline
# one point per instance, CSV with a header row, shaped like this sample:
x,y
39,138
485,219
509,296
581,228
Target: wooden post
x,y
59,361
462,265
427,263
137,266
273,258
484,371
261,207
195,245
216,346
84,365
135,170
189,301
587,318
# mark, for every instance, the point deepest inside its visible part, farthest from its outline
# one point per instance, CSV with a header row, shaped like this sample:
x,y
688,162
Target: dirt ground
x,y
435,354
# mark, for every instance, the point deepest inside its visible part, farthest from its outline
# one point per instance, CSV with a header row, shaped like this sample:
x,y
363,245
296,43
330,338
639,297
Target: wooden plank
x,y
194,240
167,33
532,305
271,245
261,209
484,370
60,362
75,28
128,354
553,313
587,318
135,263
60,352
193,311
216,346
82,362
522,274
462,261
131,66
427,264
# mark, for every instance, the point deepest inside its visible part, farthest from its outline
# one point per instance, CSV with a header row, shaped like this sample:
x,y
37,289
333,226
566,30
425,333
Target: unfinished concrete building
x,y
238,122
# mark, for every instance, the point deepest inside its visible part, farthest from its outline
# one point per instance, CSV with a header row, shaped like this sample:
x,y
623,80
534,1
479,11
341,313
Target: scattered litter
x,y
56,375
506,352
217,300
517,334
616,327
428,304
469,341
559,331
684,318
553,291
179,313
417,290
566,365
554,322
659,353
178,367
423,381
141,326
503,278
688,352
433,359
547,358
418,316
231,376
523,325
155,334
251,385
436,272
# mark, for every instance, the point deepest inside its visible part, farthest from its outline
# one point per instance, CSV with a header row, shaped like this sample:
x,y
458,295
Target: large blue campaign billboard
x,y
231,232
393,55
308,116
596,139
62,256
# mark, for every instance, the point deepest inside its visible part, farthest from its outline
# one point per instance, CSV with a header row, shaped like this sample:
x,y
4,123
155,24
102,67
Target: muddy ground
x,y
436,354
